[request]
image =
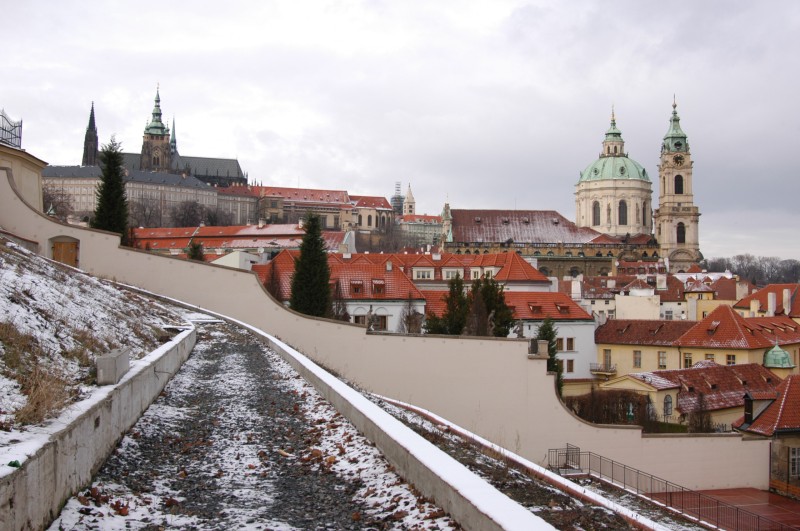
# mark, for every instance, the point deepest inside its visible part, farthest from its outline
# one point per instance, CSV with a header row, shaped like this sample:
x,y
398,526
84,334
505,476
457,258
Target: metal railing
x,y
708,510
603,367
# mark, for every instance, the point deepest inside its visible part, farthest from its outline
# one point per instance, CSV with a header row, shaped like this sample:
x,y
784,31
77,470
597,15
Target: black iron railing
x,y
708,510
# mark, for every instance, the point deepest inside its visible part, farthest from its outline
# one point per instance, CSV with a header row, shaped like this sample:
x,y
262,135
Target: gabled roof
x,y
725,328
725,288
308,195
762,297
520,226
782,415
369,201
722,386
517,269
641,332
537,306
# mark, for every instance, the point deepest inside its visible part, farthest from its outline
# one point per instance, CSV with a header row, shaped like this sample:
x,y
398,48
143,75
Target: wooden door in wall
x,y
66,253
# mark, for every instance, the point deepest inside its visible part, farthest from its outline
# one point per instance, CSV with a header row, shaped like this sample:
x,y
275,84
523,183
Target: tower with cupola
x,y
614,193
677,217
156,151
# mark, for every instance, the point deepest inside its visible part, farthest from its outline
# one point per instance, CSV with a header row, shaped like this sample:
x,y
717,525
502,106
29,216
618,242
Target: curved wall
x,y
489,386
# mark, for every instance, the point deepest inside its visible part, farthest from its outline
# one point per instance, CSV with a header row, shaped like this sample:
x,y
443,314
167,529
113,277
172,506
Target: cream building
x,y
677,217
614,193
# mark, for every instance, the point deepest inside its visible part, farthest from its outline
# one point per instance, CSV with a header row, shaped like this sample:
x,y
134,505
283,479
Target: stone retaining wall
x,y
32,496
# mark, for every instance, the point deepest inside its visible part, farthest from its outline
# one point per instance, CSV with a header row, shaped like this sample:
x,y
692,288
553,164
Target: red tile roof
x,y
762,297
538,306
521,226
641,332
368,201
304,194
722,386
782,415
724,328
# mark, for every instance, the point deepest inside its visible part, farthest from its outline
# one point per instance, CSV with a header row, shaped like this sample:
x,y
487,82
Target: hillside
x,y
54,322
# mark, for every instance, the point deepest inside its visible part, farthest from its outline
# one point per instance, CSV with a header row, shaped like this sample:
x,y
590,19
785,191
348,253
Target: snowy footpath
x,y
238,440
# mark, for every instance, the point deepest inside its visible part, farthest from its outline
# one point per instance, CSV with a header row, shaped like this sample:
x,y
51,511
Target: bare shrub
x,y
47,395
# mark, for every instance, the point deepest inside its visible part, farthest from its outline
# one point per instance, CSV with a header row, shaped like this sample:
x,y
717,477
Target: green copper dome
x,y
619,167
614,162
777,358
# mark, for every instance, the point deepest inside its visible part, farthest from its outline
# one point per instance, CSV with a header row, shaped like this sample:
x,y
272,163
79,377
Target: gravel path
x,y
239,440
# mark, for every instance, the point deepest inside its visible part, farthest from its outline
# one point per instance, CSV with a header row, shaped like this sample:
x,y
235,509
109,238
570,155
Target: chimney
x,y
261,222
576,290
787,302
772,302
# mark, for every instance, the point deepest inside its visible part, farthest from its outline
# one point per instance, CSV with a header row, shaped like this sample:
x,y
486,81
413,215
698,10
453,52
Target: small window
x,y
687,360
794,462
668,406
570,365
560,344
710,357
637,359
730,359
662,359
570,343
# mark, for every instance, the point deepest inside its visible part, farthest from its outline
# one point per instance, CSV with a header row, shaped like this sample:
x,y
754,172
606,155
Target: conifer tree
x,y
488,300
454,319
111,213
195,251
311,292
547,332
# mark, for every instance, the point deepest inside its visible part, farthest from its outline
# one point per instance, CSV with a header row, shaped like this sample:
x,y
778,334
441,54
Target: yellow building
x,y
717,390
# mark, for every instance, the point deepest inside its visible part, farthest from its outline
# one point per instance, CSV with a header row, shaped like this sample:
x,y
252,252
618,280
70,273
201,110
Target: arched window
x,y
623,213
155,160
574,272
644,214
615,150
679,184
369,220
681,233
596,213
360,221
668,406
545,271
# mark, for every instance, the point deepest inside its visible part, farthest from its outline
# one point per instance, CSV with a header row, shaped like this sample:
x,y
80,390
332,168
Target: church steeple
x,y
156,146
675,139
613,145
156,126
90,143
173,141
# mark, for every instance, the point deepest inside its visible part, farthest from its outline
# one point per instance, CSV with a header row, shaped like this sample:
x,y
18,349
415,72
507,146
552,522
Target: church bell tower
x,y
677,217
156,153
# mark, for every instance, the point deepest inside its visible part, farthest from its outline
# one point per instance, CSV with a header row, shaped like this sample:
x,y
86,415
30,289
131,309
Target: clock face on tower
x,y
678,160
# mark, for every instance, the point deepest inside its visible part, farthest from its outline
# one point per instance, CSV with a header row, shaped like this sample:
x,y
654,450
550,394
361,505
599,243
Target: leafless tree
x,y
187,214
144,213
56,202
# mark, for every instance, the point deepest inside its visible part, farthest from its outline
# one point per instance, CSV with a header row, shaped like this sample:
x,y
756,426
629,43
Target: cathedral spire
x,y
173,141
156,126
90,142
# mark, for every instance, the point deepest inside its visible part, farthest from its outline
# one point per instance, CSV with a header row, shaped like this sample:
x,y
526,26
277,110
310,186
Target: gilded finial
x,y
674,103
613,118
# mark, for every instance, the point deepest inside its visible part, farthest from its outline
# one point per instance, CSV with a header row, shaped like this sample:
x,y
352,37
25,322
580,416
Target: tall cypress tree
x,y
111,213
311,292
547,332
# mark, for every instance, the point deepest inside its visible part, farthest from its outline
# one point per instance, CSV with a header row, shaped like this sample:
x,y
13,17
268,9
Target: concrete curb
x,y
63,456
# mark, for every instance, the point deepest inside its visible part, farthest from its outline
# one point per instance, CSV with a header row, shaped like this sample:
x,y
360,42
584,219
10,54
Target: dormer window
x,y
356,287
378,286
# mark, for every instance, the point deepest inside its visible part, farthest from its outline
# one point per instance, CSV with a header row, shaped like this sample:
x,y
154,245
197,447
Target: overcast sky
x,y
485,104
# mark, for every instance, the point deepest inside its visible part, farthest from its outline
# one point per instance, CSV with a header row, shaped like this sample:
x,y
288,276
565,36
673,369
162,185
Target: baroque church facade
x,y
614,196
614,216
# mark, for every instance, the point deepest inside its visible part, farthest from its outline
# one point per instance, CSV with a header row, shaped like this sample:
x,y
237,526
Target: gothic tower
x,y
409,204
90,142
614,193
156,145
676,219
